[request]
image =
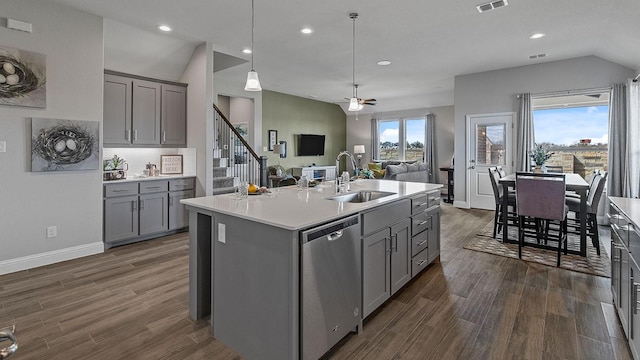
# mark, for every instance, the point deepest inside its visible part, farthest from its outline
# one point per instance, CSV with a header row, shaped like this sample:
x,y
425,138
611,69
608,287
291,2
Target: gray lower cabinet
x,y
135,211
634,313
425,230
386,253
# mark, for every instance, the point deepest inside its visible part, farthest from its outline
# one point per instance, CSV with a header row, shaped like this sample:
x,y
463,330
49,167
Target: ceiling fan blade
x,y
368,103
365,100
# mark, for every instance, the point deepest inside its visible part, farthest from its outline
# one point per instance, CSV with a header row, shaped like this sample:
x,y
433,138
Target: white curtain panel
x,y
632,178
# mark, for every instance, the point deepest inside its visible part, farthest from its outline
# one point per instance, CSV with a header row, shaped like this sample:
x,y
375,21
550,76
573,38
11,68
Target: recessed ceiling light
x,y
537,36
164,28
306,30
246,51
384,62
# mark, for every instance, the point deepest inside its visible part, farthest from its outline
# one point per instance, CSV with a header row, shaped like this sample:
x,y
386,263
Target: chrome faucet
x,y
353,165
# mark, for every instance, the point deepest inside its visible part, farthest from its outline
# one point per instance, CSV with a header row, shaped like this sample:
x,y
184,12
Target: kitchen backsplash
x,y
137,159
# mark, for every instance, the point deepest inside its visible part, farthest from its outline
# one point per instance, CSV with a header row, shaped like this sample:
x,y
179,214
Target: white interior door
x,y
490,144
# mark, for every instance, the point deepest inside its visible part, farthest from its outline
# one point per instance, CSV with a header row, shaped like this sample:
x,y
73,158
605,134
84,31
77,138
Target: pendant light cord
x,y
252,26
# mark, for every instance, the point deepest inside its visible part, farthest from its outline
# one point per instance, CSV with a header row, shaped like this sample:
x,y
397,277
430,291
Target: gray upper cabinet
x,y
174,115
143,112
146,112
117,110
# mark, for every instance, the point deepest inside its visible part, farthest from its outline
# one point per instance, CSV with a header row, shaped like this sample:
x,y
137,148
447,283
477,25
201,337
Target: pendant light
x,y
253,83
354,104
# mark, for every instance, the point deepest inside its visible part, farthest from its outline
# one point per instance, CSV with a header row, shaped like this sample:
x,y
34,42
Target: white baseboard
x,y
461,204
51,257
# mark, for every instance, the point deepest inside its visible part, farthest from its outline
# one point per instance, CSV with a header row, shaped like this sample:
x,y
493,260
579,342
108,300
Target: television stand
x,y
315,172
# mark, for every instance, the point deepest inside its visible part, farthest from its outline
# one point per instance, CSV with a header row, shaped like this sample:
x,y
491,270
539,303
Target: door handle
x,y
471,167
334,235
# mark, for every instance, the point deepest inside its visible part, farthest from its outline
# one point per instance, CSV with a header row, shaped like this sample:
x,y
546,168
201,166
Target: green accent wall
x,y
292,115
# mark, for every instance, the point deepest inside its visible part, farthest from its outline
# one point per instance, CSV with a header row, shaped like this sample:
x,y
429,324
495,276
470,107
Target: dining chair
x,y
494,175
501,171
541,196
589,180
593,200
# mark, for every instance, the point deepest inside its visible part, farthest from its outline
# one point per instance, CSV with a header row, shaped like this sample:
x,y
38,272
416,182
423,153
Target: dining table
x,y
574,182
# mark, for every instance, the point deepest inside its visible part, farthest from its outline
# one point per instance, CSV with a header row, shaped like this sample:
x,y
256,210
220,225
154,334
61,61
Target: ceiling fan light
x,y
253,83
354,105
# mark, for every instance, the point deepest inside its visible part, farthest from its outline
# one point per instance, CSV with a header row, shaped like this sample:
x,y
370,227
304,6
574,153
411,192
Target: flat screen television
x,y
310,145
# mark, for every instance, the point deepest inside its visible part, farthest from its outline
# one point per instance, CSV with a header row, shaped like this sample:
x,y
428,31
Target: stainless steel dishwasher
x,y
330,285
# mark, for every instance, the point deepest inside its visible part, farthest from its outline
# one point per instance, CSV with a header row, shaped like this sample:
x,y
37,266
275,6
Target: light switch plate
x,y
3,146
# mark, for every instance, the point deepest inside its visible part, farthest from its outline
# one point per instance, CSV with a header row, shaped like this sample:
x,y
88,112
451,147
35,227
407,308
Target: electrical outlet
x,y
265,148
222,237
52,231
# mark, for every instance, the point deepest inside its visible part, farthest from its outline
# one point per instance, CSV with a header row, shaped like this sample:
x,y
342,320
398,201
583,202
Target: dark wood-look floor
x,y
131,303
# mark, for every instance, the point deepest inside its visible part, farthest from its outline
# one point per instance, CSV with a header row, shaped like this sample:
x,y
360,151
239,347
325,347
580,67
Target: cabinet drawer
x,y
122,189
181,184
419,263
419,242
385,215
147,187
419,203
433,198
420,223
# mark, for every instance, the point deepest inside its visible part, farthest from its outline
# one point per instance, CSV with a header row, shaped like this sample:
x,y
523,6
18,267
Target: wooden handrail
x,y
240,137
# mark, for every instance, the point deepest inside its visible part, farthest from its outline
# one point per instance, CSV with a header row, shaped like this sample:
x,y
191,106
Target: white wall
x,y
359,133
31,201
495,92
199,75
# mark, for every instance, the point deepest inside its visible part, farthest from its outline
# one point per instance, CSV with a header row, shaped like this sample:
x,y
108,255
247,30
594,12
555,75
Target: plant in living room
x,y
539,154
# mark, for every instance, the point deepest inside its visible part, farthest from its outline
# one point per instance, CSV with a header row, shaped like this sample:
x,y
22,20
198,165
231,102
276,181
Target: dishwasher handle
x,y
334,235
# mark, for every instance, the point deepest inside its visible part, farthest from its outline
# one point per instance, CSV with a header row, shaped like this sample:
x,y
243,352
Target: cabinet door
x,y
146,112
178,215
174,115
400,255
117,110
375,271
120,218
434,236
154,214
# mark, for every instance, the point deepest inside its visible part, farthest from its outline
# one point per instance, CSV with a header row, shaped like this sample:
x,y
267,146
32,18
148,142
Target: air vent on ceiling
x,y
531,57
492,5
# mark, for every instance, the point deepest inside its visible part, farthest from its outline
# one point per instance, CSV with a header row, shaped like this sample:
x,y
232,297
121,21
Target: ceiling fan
x,y
360,100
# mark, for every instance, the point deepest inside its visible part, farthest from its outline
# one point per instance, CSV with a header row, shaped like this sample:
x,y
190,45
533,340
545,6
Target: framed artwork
x,y
59,145
243,130
22,78
171,164
273,139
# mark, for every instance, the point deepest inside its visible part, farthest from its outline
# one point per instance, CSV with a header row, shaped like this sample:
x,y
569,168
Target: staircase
x,y
234,161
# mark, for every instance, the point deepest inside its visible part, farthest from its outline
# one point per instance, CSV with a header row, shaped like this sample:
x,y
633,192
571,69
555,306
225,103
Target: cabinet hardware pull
x,y
134,204
141,204
127,134
395,237
135,135
171,201
421,243
119,191
164,136
615,258
385,243
153,187
422,262
422,223
635,297
618,247
422,204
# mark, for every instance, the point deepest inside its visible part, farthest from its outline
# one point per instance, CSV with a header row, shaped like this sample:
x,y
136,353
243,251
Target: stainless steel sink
x,y
361,196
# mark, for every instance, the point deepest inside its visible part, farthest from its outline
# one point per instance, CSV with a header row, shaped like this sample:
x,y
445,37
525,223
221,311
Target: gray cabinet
x,y
386,253
634,313
117,110
135,211
146,112
174,115
143,112
425,230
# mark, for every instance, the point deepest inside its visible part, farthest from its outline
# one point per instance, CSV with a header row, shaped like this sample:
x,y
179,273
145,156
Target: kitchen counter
x,y
294,209
245,256
629,207
148,178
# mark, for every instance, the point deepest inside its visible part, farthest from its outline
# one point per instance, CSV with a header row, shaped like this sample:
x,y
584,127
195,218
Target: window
x,y
400,139
575,128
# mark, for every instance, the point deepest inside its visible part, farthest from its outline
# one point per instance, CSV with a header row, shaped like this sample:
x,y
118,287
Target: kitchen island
x,y
245,256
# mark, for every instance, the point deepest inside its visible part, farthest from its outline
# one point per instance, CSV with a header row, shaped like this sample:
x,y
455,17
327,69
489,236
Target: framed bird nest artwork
x,y
64,145
22,78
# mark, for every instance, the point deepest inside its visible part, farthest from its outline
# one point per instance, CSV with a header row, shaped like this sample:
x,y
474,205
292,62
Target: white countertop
x,y
294,209
630,207
147,178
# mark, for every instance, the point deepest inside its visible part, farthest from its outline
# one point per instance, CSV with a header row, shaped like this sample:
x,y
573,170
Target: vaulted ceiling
x,y
427,42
